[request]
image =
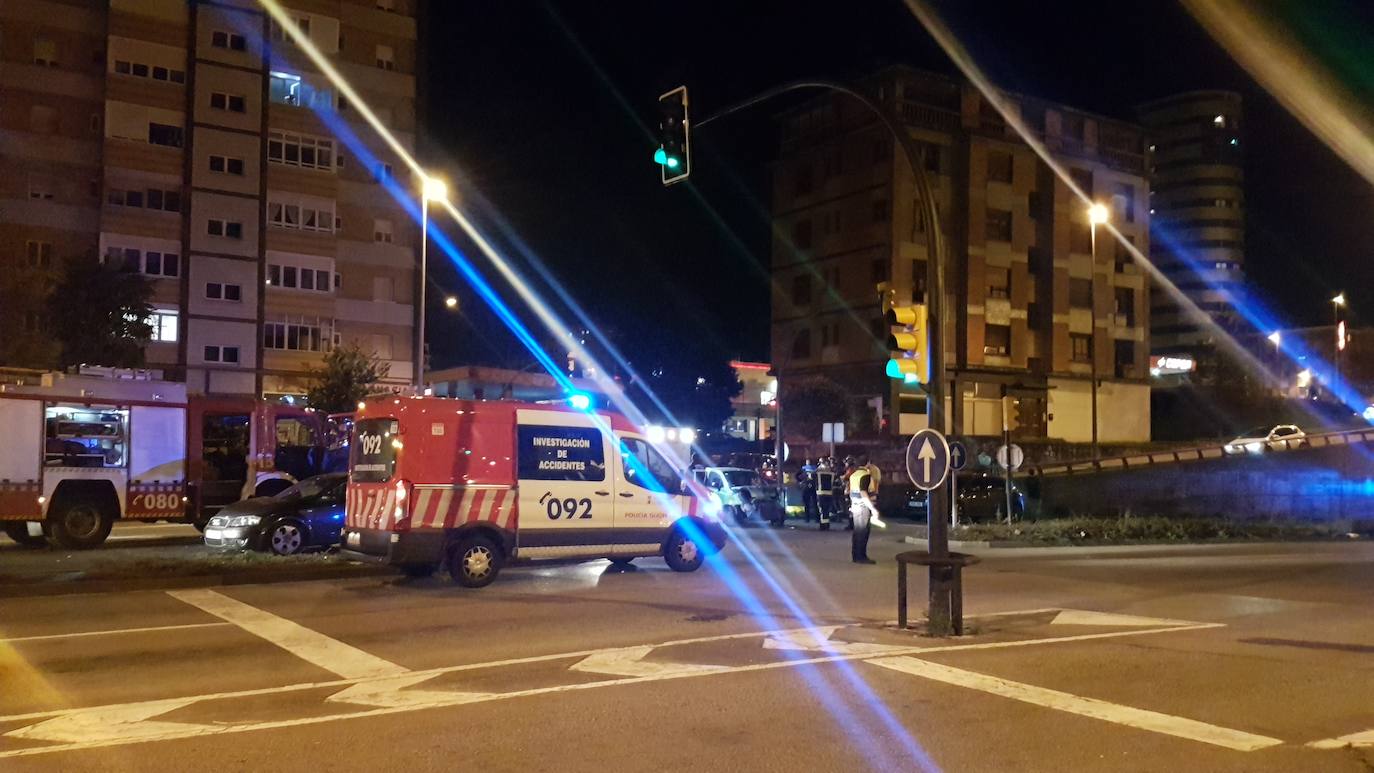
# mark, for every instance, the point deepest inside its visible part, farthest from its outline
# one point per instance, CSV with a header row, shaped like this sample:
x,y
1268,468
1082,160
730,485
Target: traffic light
x,y
907,341
674,154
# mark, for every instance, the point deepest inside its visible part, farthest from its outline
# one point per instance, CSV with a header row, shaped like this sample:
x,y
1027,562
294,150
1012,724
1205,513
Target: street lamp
x,y
1098,214
451,302
432,189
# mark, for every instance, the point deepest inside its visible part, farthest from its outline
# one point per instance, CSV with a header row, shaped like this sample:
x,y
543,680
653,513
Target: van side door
x,y
566,490
649,492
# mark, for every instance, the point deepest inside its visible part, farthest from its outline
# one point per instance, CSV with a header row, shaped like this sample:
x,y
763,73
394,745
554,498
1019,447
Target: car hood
x,y
260,506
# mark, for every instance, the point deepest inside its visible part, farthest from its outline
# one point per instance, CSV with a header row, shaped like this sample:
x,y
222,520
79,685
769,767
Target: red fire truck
x,y
87,449
473,484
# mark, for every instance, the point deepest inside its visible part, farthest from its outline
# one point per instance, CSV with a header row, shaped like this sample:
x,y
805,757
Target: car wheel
x,y
474,561
681,553
286,538
737,513
79,524
19,532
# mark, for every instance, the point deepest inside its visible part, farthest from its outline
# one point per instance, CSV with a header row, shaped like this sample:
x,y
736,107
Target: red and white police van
x,y
471,485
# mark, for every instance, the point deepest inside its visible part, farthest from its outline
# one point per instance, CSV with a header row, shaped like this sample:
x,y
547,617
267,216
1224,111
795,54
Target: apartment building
x,y
192,142
1040,305
1198,202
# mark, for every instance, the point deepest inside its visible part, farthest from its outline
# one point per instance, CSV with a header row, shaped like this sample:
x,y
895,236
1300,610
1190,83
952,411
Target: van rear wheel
x,y
474,561
79,524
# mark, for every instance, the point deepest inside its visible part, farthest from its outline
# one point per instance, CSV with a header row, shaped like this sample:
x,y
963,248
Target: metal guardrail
x,y
1177,456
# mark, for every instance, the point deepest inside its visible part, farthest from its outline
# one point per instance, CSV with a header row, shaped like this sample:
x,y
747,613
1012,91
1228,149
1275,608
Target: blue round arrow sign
x,y
958,456
927,459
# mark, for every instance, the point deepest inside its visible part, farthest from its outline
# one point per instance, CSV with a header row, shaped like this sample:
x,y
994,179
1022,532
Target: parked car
x,y
741,493
1283,437
307,515
981,498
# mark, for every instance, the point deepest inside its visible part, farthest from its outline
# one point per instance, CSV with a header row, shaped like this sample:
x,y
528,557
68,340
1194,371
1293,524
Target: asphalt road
x,y
775,658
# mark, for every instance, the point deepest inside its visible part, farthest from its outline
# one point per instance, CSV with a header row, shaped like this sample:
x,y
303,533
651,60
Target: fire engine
x,y
471,485
86,449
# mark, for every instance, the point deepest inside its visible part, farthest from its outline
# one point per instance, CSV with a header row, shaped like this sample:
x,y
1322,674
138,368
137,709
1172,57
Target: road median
x,y
1136,531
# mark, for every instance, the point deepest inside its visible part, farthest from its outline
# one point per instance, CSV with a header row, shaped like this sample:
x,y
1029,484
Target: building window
x,y
227,228
881,211
227,165
803,182
1125,307
878,270
299,217
144,70
301,150
997,340
1073,126
998,225
149,262
999,282
1125,359
1081,237
234,103
230,40
149,198
38,254
381,231
386,58
1081,293
299,277
302,23
164,325
1123,202
295,336
1081,347
40,188
801,235
290,89
1123,257
930,156
801,345
1083,178
163,134
830,334
225,354
223,291
999,166
801,290
45,52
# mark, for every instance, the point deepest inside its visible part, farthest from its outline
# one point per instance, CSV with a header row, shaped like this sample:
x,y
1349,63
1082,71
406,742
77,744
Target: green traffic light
x,y
672,162
660,157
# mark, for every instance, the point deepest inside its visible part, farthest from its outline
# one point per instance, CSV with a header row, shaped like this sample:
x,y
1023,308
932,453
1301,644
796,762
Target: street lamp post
x,y
433,189
1336,304
1276,338
1097,215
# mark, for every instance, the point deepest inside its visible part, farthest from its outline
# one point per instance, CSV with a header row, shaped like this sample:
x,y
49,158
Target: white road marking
x,y
1354,740
392,692
458,698
629,662
330,654
818,640
128,723
1086,617
110,632
1088,707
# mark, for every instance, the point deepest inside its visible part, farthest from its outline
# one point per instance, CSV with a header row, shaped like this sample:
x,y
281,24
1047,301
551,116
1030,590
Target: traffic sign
x,y
832,432
1010,457
927,459
958,456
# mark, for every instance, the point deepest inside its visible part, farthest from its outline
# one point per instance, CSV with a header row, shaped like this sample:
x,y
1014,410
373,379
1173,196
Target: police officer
x,y
861,494
825,491
807,480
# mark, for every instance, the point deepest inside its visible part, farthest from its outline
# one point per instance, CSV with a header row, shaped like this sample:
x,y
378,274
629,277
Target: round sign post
x,y
1009,458
958,459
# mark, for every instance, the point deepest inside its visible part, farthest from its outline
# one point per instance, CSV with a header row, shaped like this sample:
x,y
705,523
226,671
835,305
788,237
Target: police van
x,y
472,485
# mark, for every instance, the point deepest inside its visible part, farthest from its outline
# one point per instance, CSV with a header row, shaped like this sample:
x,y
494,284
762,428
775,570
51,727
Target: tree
x,y
100,314
809,402
346,378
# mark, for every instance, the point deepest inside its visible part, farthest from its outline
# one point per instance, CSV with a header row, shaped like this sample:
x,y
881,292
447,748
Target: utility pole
x,y
939,611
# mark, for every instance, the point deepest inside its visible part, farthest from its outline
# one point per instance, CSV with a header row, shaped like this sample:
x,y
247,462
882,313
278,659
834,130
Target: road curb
x,y
77,586
1118,547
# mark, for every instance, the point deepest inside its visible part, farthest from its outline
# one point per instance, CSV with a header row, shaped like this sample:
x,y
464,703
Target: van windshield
x,y
374,450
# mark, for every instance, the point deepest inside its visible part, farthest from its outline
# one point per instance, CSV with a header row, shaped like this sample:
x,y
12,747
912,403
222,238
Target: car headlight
x,y
244,520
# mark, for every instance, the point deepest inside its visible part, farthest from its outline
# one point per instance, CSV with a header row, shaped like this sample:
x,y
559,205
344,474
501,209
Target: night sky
x,y
546,108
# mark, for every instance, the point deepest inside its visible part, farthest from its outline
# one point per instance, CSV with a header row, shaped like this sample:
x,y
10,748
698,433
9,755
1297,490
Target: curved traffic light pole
x,y
937,504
